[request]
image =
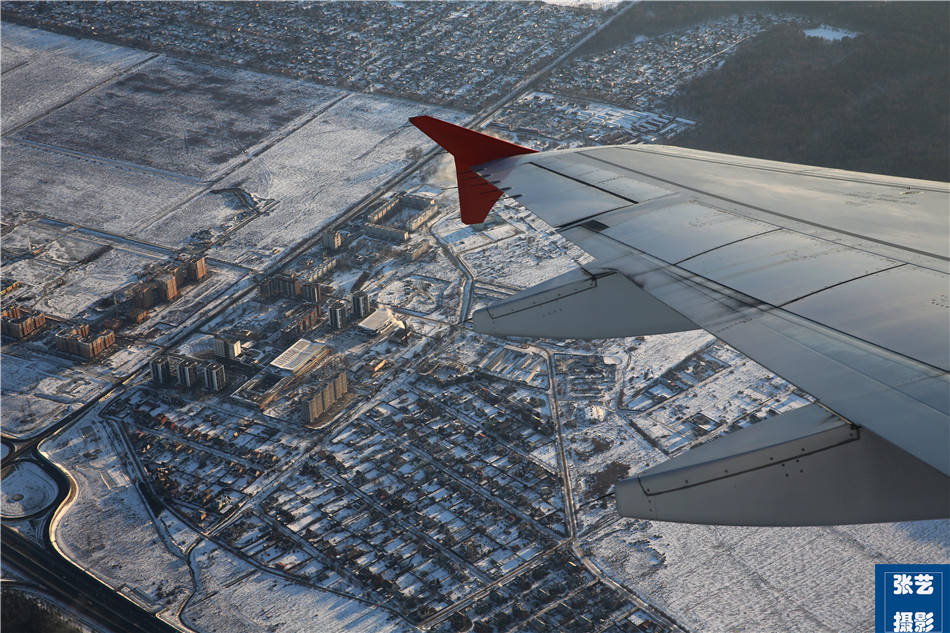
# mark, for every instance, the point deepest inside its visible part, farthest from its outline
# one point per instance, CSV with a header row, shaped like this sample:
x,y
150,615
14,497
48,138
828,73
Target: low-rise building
x,y
386,232
421,208
380,212
300,358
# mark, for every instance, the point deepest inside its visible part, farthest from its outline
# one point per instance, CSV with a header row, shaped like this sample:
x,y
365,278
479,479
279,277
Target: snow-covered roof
x,y
377,320
298,354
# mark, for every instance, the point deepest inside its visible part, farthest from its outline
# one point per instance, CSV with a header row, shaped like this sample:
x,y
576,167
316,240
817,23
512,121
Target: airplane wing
x,y
837,281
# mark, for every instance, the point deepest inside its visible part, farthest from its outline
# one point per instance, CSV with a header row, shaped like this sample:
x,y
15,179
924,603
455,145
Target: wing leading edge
x,y
837,281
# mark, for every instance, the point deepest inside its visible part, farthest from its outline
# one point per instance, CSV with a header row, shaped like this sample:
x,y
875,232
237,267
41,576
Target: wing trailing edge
x,y
476,195
562,307
804,467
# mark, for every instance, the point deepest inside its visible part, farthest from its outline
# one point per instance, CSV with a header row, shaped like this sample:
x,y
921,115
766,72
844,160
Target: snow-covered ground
x,y
523,260
187,119
315,174
238,597
107,529
79,287
830,33
84,190
722,579
39,390
27,489
42,70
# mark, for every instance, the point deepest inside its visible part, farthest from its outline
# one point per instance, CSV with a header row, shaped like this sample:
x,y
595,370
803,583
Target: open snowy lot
x,y
461,237
107,529
524,260
722,579
84,190
314,174
264,603
79,287
180,116
40,390
43,70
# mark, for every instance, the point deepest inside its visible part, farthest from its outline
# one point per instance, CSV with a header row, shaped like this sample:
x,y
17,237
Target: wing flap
x,y
843,372
561,308
804,467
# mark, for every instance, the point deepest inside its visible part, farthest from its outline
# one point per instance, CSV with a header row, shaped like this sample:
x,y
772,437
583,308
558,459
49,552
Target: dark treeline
x,y
22,613
879,102
654,18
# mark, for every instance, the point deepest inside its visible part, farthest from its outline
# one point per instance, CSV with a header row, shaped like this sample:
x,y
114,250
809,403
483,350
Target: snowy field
x,y
315,174
39,391
80,287
27,489
180,116
43,70
154,141
796,580
263,603
656,354
523,261
462,237
107,529
85,190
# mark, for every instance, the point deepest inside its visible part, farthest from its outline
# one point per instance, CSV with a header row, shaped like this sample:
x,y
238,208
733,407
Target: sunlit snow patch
x,y
831,33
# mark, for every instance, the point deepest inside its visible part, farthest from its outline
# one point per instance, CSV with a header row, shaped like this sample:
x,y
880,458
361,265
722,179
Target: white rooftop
x,y
297,355
377,320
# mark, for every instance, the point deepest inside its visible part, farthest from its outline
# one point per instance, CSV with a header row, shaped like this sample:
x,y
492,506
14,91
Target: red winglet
x,y
476,195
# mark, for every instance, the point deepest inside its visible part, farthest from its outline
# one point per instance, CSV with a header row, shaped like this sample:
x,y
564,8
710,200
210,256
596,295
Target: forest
x,y
23,613
878,102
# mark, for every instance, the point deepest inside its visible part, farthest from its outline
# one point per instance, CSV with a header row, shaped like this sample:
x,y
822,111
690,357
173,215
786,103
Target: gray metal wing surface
x,y
837,281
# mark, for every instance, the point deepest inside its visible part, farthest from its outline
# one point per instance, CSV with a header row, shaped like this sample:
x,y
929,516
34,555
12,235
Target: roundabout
x,y
27,490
